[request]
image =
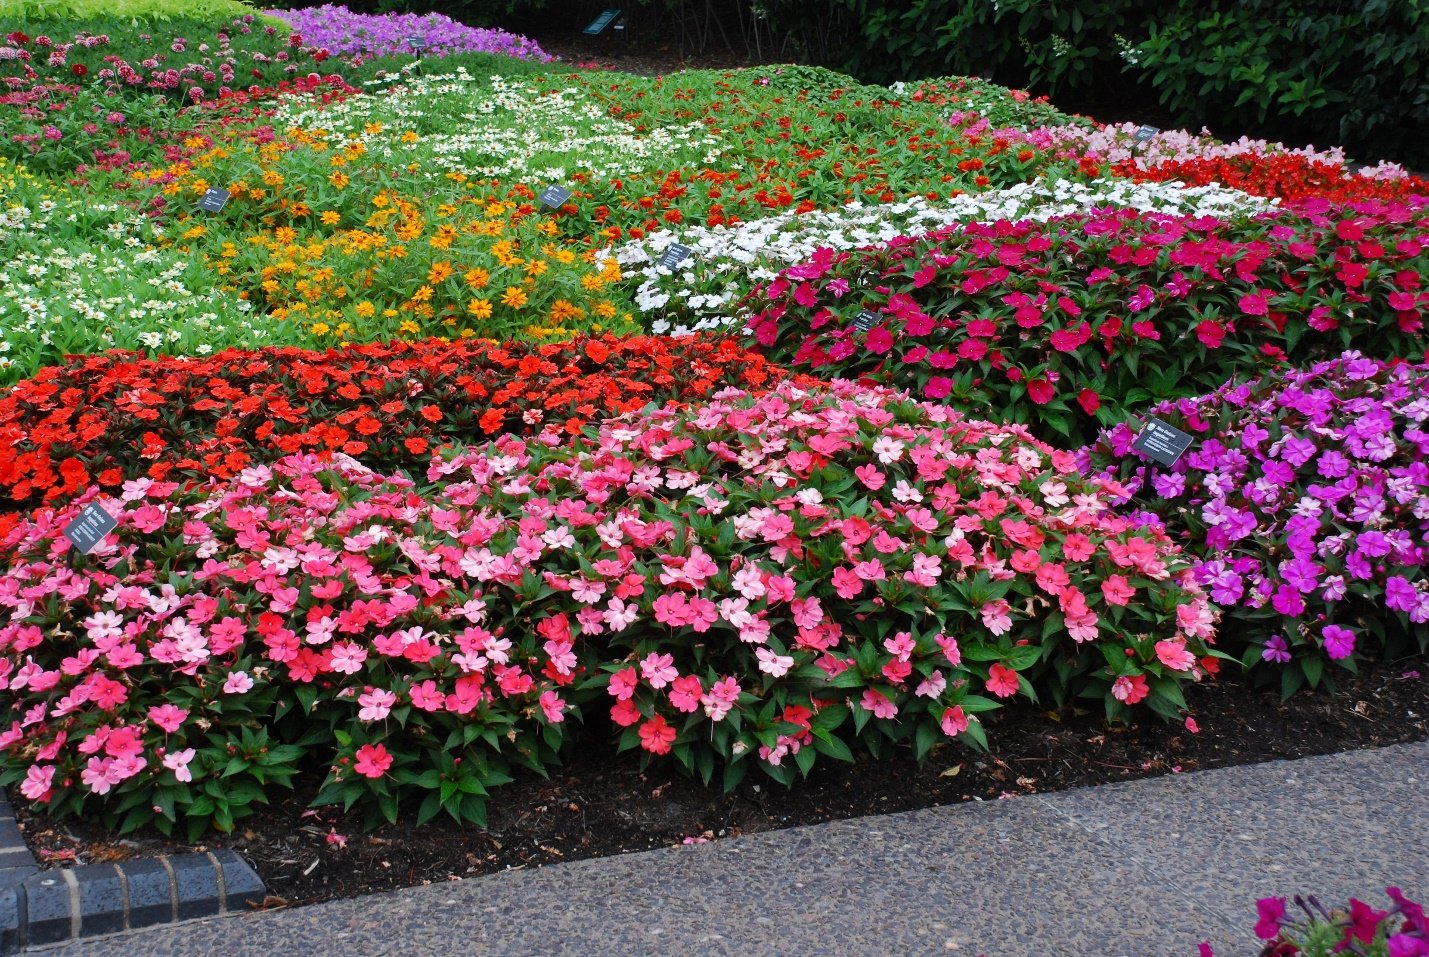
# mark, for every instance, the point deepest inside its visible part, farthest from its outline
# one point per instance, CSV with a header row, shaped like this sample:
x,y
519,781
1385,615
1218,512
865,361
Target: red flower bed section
x,y
1282,175
106,419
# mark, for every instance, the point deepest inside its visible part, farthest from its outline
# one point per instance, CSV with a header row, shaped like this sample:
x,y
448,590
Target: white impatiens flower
x,y
726,262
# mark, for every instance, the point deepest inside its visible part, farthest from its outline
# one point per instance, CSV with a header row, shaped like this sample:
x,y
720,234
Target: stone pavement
x,y
1143,869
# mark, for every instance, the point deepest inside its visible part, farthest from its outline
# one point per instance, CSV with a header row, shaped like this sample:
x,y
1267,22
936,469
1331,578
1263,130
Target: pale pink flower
x,y
178,762
375,704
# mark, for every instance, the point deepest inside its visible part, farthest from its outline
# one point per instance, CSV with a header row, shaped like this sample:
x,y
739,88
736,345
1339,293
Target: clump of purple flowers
x,y
1306,501
341,31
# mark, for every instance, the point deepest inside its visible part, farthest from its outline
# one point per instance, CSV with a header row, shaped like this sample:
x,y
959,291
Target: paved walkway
x,y
1144,869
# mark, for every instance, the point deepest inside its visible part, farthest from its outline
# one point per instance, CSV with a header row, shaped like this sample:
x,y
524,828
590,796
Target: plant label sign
x,y
214,200
1161,443
417,43
864,321
674,255
1144,133
89,528
598,25
555,197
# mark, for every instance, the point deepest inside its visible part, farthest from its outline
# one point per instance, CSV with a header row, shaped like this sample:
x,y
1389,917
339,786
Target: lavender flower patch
x,y
1306,500
343,32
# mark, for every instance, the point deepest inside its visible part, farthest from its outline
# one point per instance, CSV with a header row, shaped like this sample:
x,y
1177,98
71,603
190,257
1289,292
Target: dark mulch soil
x,y
604,804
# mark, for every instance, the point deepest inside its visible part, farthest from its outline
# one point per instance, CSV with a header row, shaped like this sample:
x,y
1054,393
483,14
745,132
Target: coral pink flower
x,y
1130,689
954,721
372,760
656,735
1173,654
1117,590
1002,681
685,693
622,684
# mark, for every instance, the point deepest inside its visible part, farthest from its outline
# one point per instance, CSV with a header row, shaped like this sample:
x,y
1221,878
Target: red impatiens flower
x,y
243,408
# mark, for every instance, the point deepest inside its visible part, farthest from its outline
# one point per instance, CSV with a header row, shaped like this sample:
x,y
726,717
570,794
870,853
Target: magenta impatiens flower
x,y
1272,915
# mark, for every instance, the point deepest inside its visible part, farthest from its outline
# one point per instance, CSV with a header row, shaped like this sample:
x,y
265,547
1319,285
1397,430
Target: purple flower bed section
x,y
1306,500
344,32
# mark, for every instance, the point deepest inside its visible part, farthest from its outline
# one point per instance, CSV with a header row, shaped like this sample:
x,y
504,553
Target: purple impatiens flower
x,y
1339,642
1306,491
341,31
1276,650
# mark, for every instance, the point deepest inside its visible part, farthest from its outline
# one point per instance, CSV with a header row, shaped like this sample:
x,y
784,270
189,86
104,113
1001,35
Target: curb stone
x,y
50,907
56,906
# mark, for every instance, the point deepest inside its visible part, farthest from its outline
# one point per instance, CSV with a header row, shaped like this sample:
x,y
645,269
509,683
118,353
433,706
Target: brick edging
x,y
50,907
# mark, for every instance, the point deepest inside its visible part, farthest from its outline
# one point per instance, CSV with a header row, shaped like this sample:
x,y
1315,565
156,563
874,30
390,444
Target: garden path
x,y
1143,868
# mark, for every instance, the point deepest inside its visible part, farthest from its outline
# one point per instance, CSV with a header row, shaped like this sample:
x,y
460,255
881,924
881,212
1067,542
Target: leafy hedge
x,y
1316,70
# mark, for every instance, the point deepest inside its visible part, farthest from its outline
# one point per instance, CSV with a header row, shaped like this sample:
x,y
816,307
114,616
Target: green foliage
x,y
1321,70
1348,73
30,14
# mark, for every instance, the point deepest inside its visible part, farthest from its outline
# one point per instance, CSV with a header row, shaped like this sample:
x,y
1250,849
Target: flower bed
x,y
703,575
1085,318
388,405
1306,504
710,288
338,30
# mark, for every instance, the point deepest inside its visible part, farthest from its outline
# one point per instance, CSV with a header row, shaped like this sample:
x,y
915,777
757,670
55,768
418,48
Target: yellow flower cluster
x,y
340,247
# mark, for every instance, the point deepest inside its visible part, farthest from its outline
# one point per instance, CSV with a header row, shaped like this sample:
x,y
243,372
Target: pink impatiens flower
x,y
656,735
879,704
168,717
954,721
178,762
1002,681
685,693
1130,689
772,663
553,707
658,670
1173,654
372,760
375,704
239,682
